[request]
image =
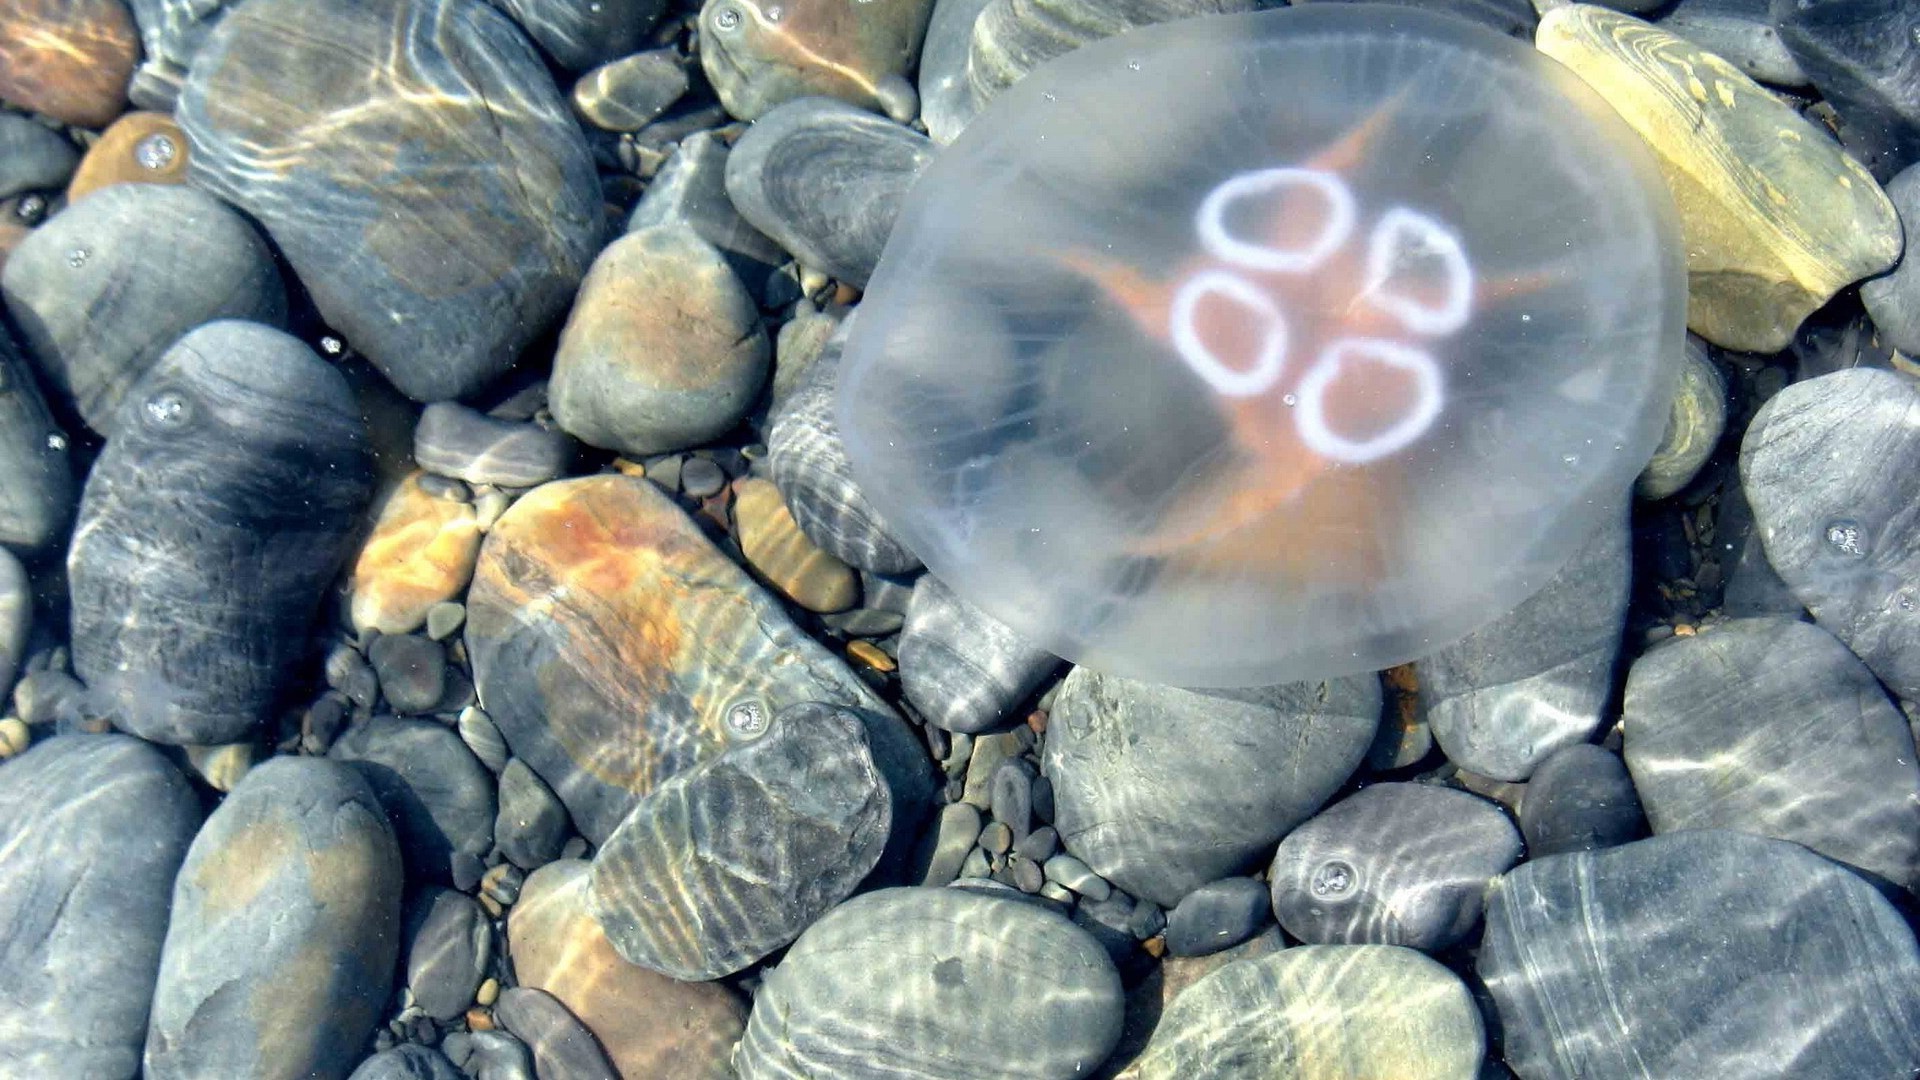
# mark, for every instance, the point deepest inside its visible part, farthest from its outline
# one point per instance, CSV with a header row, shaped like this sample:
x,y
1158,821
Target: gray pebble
x,y
1027,875
1862,55
946,97
691,190
1075,875
1580,799
628,93
563,1049
36,479
1012,797
1694,426
489,1055
33,157
412,671
1109,920
701,478
1039,845
1771,726
445,619
581,33
532,825
1217,915
455,441
438,795
1604,963
92,830
1893,298
410,1062
975,865
1148,920
996,839
16,618
449,946
954,838
1010,39
825,180
478,733
1392,864
963,669
1741,31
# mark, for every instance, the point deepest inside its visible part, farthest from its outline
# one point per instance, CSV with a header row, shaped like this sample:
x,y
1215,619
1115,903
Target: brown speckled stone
x,y
69,59
421,553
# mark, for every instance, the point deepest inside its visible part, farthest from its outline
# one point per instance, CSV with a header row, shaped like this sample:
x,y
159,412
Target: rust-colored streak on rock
x,y
70,59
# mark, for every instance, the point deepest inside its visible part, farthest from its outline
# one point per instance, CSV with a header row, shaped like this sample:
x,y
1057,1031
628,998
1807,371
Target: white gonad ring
x,y
1211,221
1311,414
1401,245
1268,362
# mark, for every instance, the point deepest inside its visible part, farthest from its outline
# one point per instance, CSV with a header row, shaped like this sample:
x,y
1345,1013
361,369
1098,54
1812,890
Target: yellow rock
x,y
138,148
421,553
782,554
1776,218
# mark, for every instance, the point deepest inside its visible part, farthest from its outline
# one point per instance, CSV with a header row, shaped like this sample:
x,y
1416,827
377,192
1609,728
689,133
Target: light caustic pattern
x,y
1416,276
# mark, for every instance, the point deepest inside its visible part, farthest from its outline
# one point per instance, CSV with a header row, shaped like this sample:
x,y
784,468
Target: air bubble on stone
x,y
1904,600
1133,65
30,209
748,719
1847,537
155,152
332,346
78,257
167,409
774,13
56,441
1289,400
726,18
1333,878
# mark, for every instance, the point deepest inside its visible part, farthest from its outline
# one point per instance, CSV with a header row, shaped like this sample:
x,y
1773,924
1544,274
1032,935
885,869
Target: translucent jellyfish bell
x,y
1263,347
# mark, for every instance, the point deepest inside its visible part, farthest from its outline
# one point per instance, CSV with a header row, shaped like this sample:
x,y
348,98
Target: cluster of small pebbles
x,y
443,634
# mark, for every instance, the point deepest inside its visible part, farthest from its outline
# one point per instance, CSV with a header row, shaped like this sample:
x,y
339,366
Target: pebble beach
x,y
660,540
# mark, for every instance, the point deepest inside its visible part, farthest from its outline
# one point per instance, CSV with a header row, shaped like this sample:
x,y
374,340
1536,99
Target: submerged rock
x,y
69,59
210,527
763,53
138,148
36,482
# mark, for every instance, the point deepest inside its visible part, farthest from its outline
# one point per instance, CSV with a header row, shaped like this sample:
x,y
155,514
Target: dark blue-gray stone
x,y
563,1048
410,1062
92,829
412,670
1536,679
1392,864
108,285
437,794
1771,726
490,1055
1700,954
1580,799
33,157
210,528
36,482
1741,31
531,826
961,668
579,34
1825,466
1217,915
286,921
1864,58
415,164
825,180
1161,790
911,982
453,440
691,189
449,943
1893,298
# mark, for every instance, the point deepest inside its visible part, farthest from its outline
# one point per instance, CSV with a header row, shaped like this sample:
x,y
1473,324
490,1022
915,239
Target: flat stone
x,y
1776,218
92,830
1893,299
1218,915
409,1062
691,190
628,93
1771,726
441,264
1818,467
421,552
945,965
1161,790
615,647
1540,677
954,837
69,59
531,826
37,488
412,671
783,555
33,157
581,33
1147,1000
437,794
1694,427
286,919
1330,1012
664,349
138,148
449,944
489,1055
759,54
1863,56
649,1024
963,669
731,860
563,1049
1742,31
1793,966
1580,799
453,440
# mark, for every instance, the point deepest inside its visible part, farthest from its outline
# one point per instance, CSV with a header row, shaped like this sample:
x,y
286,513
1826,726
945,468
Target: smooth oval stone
x,y
762,53
16,618
1771,726
138,148
952,841
581,33
209,530
1694,427
1012,38
691,189
1738,30
421,552
1392,864
489,1055
92,829
1817,465
1218,915
69,59
946,94
1699,954
1776,218
1540,677
563,1049
723,864
629,93
1160,790
531,827
963,669
33,157
286,922
442,263
1148,999
664,349
615,647
1580,799
811,469
437,794
1321,1012
449,943
650,1025
941,966
36,482
107,286
825,180
1864,58
453,440
1893,299
780,552
409,1062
